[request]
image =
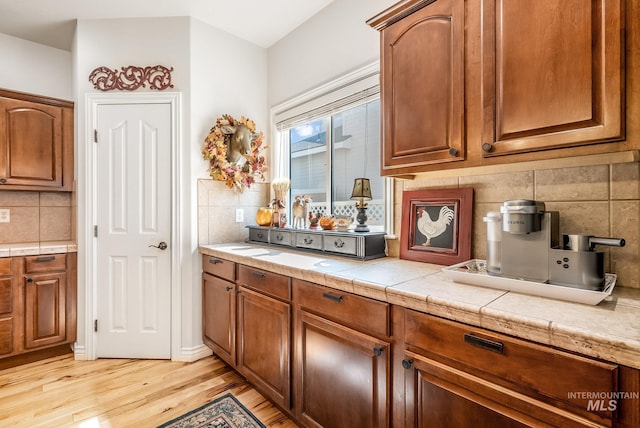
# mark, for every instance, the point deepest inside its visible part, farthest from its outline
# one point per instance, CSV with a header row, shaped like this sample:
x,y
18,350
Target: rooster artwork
x,y
432,228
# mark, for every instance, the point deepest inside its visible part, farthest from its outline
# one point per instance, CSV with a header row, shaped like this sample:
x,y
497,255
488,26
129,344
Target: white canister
x,y
494,242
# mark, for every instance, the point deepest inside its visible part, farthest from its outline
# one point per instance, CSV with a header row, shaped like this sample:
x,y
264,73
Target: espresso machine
x,y
524,242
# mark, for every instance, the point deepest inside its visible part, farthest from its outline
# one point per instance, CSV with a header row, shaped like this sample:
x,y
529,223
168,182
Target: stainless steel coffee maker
x,y
528,246
528,233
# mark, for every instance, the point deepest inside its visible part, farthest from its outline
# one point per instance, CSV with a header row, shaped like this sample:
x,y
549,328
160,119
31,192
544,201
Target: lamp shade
x,y
361,189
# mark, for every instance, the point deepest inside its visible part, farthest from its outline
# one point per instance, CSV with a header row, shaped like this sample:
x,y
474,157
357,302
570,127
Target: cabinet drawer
x,y
45,263
549,372
341,244
309,240
281,237
348,309
259,235
268,283
219,267
5,266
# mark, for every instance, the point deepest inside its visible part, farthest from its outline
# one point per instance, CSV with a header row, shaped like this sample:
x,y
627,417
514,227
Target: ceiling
x,y
52,22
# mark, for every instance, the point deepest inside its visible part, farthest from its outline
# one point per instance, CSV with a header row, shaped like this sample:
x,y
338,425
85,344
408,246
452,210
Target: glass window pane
x,y
309,163
355,136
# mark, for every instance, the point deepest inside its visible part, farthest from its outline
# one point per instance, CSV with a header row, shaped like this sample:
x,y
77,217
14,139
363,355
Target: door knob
x,y
161,246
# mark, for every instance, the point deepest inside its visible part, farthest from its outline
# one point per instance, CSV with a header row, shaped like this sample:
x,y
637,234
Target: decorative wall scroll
x,y
130,78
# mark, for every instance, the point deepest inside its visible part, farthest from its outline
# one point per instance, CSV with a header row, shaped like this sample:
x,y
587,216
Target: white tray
x,y
474,272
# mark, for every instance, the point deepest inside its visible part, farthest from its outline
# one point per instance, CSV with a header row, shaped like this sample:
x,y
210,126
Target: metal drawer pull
x,y
259,235
258,274
377,351
229,288
333,297
280,237
407,363
45,259
483,343
308,240
339,243
214,261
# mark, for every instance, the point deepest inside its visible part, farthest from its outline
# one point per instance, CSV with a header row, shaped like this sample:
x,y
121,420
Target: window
x,y
329,137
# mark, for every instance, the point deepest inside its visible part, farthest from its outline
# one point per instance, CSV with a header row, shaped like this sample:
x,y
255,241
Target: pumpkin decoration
x,y
327,222
264,216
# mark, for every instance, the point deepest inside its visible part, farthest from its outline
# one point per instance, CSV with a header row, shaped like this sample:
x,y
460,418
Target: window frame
x,y
347,91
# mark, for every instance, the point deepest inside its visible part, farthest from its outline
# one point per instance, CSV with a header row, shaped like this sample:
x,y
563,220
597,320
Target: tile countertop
x,y
609,330
37,248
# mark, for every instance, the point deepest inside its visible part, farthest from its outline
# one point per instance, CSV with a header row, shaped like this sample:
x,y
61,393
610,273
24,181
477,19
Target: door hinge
x,y
95,135
95,325
95,231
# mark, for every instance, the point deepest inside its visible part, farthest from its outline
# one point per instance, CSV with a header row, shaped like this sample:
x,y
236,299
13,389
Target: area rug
x,y
223,412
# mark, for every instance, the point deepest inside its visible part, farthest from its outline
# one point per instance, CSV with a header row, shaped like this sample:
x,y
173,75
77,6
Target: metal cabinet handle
x,y
45,259
333,297
258,274
29,279
214,261
377,351
487,147
407,363
308,240
259,235
481,342
453,151
338,243
279,237
229,288
3,180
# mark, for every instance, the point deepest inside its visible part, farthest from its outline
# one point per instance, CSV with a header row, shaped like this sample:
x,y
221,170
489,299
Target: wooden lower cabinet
x,y
342,375
439,395
329,358
264,331
219,315
45,315
8,314
37,305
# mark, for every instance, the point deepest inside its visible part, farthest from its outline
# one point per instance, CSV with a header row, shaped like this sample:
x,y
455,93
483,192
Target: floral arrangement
x,y
239,175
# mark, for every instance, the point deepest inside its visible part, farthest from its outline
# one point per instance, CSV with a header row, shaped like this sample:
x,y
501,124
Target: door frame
x,y
93,101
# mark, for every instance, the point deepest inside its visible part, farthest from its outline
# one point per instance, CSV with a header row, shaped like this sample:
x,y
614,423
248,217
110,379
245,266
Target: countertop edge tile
x,y
609,348
534,329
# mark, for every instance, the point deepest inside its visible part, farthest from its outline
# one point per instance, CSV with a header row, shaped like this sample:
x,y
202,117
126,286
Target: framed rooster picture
x,y
436,225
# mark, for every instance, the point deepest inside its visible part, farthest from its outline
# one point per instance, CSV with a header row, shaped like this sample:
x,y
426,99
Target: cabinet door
x,y
422,94
219,317
31,144
341,375
6,316
45,309
553,74
264,331
440,396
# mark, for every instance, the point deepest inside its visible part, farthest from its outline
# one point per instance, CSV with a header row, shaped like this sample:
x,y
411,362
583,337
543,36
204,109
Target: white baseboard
x,y
189,355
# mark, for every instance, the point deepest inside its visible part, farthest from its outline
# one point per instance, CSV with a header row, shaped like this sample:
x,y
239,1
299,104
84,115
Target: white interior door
x,y
133,201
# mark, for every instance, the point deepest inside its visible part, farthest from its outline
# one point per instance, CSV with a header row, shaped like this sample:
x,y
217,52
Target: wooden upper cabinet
x,y
464,83
422,78
36,142
552,74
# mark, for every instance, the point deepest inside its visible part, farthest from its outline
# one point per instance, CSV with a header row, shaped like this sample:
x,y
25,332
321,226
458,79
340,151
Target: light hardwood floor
x,y
114,393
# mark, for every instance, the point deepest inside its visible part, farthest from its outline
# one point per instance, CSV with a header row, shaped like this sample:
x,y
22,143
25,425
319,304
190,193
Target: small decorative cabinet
x,y
365,246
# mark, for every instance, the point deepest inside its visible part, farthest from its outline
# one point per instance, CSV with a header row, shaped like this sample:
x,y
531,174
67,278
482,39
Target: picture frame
x,y
436,225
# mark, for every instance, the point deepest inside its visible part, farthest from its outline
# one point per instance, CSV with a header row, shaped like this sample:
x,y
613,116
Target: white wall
x,y
333,42
34,68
